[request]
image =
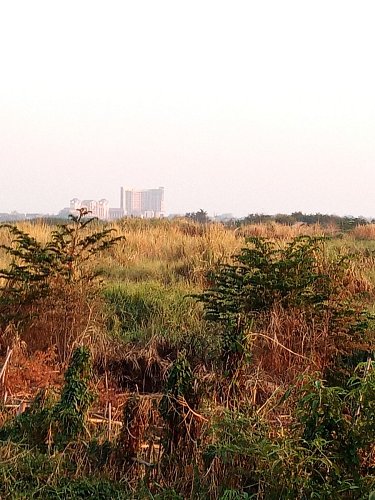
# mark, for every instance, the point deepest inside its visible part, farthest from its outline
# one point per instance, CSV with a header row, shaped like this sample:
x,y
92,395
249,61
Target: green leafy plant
x,y
48,286
34,425
178,399
298,276
70,412
326,452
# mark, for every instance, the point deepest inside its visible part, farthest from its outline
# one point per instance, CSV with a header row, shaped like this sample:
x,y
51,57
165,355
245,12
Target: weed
x,y
49,421
76,398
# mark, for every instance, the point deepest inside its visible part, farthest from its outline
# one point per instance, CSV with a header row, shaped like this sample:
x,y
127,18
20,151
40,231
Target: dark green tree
x,y
201,216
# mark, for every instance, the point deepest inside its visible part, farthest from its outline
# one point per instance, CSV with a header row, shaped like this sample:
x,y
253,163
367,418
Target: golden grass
x,y
273,230
170,250
40,231
174,241
364,232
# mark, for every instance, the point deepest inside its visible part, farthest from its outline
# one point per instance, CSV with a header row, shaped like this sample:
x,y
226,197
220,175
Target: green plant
x,y
47,286
74,247
34,425
30,474
51,421
327,452
178,400
70,412
235,495
298,276
34,264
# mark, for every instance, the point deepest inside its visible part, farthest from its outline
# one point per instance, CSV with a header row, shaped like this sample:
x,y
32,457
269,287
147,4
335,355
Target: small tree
x,y
47,285
201,216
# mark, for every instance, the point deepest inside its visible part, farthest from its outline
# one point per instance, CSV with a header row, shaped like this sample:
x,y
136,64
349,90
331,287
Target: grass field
x,y
187,360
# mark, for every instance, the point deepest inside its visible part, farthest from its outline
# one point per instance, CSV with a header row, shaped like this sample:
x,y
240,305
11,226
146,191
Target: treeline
x,y
343,223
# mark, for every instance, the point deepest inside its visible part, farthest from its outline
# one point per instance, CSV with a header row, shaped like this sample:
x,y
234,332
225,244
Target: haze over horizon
x,y
240,107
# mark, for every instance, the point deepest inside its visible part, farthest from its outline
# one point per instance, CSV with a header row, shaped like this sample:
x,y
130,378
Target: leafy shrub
x,y
40,476
32,426
48,286
299,276
76,398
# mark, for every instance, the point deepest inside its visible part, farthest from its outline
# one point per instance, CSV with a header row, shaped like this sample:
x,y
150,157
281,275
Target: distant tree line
x,y
342,223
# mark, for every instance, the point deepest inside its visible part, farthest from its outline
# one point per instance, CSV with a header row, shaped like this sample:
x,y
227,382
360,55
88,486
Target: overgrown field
x,y
176,360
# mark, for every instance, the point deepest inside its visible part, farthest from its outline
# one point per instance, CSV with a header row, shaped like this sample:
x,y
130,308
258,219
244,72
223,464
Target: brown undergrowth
x,y
195,420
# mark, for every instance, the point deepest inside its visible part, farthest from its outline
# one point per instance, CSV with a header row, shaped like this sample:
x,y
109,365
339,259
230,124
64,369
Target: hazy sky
x,y
232,106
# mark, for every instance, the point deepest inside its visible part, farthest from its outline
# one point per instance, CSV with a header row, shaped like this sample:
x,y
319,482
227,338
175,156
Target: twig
x,y
255,334
109,420
183,402
142,462
104,421
367,369
3,369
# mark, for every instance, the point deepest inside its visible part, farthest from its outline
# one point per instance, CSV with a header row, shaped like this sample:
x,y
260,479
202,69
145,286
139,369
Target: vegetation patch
x,y
225,368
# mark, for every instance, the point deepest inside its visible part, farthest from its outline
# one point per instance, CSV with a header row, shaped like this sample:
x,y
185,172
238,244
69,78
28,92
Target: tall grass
x,y
169,250
233,424
139,311
364,232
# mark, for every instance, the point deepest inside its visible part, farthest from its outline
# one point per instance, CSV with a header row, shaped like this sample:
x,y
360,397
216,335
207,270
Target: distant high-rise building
x,y
144,203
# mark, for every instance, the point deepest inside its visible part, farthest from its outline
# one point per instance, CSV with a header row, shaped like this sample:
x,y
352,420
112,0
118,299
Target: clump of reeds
x,y
364,232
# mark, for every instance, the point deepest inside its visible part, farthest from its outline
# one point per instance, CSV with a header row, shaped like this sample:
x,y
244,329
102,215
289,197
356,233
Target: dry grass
x,y
273,230
184,250
172,250
27,374
180,248
290,344
364,232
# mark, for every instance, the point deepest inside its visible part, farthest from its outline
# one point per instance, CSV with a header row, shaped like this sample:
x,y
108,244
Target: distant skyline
x,y
240,106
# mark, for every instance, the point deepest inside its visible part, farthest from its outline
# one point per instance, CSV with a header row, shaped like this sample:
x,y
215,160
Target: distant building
x,y
75,204
12,217
102,209
99,209
116,213
224,217
145,203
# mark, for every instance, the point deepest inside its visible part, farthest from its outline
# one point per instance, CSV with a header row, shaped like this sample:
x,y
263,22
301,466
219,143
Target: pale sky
x,y
232,106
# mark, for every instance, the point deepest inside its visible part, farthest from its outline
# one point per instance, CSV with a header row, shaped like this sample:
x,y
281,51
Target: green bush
x,y
70,412
179,397
297,276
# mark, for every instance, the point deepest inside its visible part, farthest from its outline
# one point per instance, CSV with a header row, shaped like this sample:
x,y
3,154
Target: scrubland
x,y
171,359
